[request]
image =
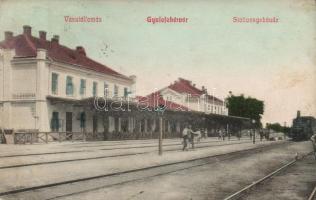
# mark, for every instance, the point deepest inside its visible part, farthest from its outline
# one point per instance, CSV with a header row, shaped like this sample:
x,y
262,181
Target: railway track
x,y
105,149
153,142
111,156
255,185
75,186
312,196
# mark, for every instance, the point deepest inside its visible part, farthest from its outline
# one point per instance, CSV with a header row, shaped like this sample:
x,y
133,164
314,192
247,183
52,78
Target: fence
x,y
46,137
21,137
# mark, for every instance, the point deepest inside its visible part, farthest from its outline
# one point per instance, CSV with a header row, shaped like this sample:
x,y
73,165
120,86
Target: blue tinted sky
x,y
272,62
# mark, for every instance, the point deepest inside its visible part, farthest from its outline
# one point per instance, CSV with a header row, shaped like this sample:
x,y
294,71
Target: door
x,y
55,122
68,121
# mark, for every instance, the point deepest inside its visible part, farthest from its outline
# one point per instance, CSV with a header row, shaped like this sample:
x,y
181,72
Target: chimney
x,y
27,30
204,90
298,115
56,38
42,35
8,35
194,85
55,41
81,50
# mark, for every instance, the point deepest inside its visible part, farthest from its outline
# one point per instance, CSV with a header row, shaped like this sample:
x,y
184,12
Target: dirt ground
x,y
213,181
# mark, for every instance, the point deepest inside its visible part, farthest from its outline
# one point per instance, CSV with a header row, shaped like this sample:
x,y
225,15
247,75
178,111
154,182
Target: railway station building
x,y
47,87
185,93
35,70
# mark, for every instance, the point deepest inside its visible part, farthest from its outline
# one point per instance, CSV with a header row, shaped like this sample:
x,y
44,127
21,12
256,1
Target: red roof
x,y
155,100
185,86
26,45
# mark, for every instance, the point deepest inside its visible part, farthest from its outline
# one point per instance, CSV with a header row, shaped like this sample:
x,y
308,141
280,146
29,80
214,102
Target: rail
x,y
244,190
313,194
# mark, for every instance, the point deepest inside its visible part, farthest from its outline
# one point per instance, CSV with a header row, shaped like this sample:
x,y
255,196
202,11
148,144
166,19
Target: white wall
x,y
90,77
26,82
23,79
63,108
23,115
195,103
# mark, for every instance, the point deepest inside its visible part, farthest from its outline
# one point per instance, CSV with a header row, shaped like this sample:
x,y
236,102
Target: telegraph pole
x,y
254,132
160,136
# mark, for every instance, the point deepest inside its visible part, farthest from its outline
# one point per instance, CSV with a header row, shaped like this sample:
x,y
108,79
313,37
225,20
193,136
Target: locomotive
x,y
303,127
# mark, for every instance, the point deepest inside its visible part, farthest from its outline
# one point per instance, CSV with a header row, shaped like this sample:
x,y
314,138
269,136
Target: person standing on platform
x,y
198,135
220,134
205,133
191,133
224,134
185,134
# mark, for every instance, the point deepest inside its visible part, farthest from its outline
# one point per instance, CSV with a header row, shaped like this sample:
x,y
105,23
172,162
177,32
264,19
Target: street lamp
x,y
253,121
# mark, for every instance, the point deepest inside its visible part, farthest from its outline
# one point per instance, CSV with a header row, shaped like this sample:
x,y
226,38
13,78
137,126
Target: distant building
x,y
303,127
184,93
35,71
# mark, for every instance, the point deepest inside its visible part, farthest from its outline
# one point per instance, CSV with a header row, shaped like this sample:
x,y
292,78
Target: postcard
x,y
159,100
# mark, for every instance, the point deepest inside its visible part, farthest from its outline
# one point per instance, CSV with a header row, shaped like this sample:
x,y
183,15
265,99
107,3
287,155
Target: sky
x,y
273,62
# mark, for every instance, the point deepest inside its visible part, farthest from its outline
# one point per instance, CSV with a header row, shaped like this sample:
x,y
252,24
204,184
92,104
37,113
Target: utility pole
x,y
227,131
254,132
254,136
160,136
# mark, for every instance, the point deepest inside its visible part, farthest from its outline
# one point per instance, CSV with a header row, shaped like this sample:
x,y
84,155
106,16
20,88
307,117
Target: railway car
x,y
303,127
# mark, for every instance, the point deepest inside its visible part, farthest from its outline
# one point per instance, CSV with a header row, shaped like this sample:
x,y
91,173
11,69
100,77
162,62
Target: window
x,y
208,107
54,83
95,89
82,87
55,121
126,92
69,86
116,89
82,120
106,90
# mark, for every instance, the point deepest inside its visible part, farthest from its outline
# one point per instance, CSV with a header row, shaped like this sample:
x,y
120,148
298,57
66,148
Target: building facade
x,y
34,70
185,93
49,91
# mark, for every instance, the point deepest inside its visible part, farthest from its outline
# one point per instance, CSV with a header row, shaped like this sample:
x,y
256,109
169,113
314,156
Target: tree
x,y
275,126
278,128
245,107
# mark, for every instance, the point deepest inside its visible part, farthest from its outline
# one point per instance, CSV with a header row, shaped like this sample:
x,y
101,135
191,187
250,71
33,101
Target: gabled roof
x,y
26,45
184,86
155,100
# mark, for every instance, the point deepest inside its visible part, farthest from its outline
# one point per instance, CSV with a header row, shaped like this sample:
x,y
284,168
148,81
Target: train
x,y
303,127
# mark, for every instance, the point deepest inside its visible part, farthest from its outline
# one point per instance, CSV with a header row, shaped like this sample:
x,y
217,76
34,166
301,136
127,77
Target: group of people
x,y
189,135
221,134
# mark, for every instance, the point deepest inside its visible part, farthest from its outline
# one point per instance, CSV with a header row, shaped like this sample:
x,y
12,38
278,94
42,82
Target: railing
x,y
48,137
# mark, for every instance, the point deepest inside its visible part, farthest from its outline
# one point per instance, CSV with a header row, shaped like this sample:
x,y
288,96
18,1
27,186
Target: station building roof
x,y
26,45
